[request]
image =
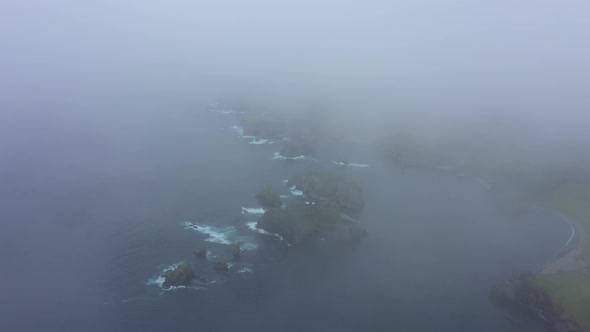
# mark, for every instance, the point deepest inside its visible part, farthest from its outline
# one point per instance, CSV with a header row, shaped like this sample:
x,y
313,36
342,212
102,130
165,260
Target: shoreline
x,y
566,258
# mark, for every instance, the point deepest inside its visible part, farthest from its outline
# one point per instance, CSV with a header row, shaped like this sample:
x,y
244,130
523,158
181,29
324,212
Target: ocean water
x,y
94,211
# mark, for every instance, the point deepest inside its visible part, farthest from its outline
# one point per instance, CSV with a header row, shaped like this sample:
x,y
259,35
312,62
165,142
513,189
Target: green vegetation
x,y
300,222
180,276
221,266
331,190
269,198
569,292
574,202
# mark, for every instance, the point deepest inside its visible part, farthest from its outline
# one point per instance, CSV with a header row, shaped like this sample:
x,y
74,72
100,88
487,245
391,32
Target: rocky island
x,y
201,253
322,215
182,275
221,266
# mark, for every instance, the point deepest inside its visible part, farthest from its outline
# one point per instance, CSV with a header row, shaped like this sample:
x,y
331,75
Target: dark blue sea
x,y
97,201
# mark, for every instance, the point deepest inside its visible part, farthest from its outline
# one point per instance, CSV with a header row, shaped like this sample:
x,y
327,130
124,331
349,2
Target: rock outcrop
x,y
221,266
180,276
303,223
269,198
201,253
520,293
236,251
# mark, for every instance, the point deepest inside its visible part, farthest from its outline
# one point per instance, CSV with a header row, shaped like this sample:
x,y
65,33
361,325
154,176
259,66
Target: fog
x,y
435,57
495,71
97,99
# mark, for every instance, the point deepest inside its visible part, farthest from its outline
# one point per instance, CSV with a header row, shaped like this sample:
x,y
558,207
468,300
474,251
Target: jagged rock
x,y
331,190
269,198
202,252
180,276
236,251
221,266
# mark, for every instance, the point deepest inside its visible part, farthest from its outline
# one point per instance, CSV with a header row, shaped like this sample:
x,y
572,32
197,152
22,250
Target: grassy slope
x,y
575,203
571,290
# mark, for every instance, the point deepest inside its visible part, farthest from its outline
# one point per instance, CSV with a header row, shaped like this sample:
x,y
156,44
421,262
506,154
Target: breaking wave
x,y
245,270
261,141
278,156
223,235
255,211
239,130
253,226
340,163
295,192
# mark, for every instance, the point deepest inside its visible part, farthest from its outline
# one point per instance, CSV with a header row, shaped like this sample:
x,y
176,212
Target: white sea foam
x,y
295,192
247,242
253,226
239,130
256,211
220,111
254,140
285,181
278,156
339,163
245,270
214,234
223,235
261,141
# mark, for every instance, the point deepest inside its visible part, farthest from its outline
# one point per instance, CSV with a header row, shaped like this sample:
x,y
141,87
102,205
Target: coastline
x,y
566,259
559,293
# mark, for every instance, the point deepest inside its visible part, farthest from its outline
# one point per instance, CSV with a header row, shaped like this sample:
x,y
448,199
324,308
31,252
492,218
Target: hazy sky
x,y
530,58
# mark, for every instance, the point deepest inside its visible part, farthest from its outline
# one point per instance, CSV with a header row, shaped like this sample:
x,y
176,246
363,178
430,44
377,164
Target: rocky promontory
x,y
269,198
331,190
322,214
301,222
524,295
